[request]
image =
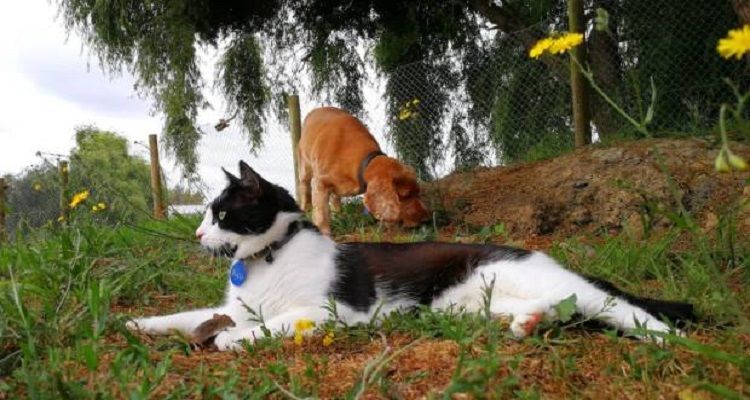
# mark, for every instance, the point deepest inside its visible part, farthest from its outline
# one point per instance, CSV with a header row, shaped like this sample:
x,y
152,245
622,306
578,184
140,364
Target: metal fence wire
x,y
498,106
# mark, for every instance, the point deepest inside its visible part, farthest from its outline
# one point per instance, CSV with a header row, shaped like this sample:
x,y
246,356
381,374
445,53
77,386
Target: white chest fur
x,y
299,276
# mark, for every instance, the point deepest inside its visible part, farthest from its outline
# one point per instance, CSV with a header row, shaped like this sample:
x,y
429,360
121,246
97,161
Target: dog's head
x,y
393,193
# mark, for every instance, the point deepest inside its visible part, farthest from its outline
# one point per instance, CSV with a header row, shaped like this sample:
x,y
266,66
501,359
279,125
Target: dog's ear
x,y
405,183
381,199
249,178
405,187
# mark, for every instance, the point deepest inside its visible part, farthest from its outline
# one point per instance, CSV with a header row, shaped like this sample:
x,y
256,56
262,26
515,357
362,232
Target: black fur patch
x,y
420,271
676,312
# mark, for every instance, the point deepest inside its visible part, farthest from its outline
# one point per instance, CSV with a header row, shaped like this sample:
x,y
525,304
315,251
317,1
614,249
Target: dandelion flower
x,y
737,162
736,44
566,42
298,338
328,339
98,207
79,198
556,44
540,47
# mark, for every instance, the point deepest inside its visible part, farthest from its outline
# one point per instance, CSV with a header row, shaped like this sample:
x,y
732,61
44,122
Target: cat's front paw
x,y
146,325
135,325
231,340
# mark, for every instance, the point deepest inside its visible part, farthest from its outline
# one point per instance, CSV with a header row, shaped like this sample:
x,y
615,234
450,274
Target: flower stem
x,y
590,77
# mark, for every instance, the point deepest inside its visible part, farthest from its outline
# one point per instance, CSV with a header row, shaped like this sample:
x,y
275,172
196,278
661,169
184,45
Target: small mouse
x,y
205,332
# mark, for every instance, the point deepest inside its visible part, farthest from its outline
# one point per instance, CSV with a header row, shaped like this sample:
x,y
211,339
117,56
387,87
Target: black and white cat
x,y
284,267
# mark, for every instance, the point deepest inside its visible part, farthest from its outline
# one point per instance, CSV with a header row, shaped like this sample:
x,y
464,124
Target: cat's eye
x,y
222,214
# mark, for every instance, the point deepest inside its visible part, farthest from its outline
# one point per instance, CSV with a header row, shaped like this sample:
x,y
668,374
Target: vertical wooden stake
x,y
3,231
578,85
156,191
295,126
62,167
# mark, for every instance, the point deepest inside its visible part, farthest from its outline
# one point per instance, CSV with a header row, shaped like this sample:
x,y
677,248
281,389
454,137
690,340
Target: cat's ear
x,y
232,179
249,178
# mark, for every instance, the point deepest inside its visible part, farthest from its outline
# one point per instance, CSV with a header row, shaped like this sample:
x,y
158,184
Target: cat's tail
x,y
678,313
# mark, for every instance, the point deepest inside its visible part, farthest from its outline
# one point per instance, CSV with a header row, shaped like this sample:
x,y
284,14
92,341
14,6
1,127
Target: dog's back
x,y
334,143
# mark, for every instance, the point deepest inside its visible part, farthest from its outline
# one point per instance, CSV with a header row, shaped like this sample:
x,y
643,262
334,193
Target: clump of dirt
x,y
596,189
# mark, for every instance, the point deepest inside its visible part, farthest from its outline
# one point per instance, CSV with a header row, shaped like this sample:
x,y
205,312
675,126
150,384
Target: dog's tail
x,y
678,313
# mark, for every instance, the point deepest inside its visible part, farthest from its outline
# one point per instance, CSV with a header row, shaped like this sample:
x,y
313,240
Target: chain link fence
x,y
498,106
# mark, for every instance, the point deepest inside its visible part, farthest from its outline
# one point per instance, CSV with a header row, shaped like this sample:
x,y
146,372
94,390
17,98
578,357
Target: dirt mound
x,y
595,189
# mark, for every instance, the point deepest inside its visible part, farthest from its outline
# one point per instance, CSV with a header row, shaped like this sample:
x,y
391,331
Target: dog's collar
x,y
294,228
363,165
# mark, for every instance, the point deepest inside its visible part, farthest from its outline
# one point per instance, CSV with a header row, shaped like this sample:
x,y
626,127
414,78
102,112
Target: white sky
x,y
49,85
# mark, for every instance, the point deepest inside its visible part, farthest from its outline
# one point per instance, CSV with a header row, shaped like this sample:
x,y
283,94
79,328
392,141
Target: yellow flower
x,y
303,325
736,44
407,111
78,198
540,47
61,218
556,44
404,114
328,339
300,326
566,42
98,207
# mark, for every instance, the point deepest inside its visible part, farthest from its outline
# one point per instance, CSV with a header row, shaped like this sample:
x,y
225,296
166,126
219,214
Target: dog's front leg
x,y
282,324
321,192
185,322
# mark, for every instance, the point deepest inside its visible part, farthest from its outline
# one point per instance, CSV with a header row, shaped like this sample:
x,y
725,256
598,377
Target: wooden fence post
x,y
156,190
3,231
578,84
62,168
295,126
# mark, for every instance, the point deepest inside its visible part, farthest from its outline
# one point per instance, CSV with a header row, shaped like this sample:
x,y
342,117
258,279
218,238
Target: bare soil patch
x,y
599,190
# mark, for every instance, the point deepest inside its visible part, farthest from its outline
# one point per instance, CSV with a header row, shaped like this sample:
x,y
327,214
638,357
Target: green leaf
x,y
566,308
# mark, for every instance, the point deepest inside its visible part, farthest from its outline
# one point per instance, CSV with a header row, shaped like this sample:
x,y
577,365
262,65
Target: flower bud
x,y
721,164
737,162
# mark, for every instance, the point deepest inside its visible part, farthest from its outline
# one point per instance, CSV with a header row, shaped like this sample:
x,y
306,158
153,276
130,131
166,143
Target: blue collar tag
x,y
238,272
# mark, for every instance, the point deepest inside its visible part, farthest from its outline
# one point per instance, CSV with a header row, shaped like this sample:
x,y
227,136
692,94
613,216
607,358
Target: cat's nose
x,y
198,234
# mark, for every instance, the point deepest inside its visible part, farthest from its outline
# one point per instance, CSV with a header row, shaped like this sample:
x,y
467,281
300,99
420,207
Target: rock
x,y
580,184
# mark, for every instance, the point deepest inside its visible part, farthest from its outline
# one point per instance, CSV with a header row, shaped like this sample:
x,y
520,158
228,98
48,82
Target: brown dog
x,y
339,157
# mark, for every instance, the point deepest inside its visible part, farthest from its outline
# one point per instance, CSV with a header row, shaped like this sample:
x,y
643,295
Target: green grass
x,y
65,293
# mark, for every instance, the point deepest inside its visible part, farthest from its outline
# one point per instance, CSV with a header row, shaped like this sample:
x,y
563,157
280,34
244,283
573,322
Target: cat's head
x,y
248,215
